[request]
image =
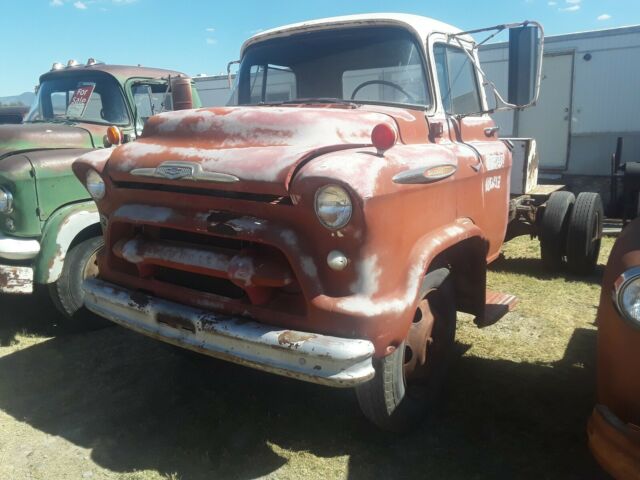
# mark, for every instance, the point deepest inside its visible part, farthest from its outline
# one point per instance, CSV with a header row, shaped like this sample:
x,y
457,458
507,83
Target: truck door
x,y
483,160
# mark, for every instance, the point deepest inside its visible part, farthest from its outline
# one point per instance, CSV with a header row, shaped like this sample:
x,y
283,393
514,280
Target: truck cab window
x,y
457,79
86,97
362,65
150,99
277,83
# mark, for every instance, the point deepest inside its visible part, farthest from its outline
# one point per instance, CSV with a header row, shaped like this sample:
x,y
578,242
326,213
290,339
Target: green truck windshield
x,y
92,98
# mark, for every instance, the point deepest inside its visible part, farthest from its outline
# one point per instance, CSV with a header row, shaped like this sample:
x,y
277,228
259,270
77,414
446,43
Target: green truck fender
x,y
60,231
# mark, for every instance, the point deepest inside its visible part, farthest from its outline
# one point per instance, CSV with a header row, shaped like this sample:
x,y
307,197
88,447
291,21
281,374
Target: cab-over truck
x,y
329,224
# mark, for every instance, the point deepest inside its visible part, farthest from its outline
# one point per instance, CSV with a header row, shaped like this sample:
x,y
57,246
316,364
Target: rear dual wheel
x,y
553,229
585,233
570,231
407,381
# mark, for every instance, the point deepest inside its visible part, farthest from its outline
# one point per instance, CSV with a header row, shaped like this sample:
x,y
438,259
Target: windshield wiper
x,y
307,101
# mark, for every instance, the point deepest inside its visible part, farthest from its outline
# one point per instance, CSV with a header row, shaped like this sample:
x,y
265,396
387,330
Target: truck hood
x,y
260,146
38,136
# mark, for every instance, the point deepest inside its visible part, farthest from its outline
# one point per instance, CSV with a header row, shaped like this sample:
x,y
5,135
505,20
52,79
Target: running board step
x,y
497,306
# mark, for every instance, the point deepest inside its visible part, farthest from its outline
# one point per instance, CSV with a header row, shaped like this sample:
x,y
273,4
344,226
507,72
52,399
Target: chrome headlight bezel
x,y
95,185
346,206
628,279
6,201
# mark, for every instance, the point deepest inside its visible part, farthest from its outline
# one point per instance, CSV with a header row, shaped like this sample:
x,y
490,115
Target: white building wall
x,y
214,91
605,99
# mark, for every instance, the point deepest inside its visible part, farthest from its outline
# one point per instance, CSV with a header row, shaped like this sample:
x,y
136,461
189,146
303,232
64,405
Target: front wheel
x,y
407,382
67,294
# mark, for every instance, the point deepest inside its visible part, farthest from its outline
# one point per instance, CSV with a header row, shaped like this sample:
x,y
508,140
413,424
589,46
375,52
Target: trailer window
x,y
457,79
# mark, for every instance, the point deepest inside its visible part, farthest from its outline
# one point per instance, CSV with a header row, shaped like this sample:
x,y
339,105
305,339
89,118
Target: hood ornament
x,y
184,171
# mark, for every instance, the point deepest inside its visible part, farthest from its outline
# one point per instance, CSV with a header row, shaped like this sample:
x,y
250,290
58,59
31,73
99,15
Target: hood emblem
x,y
174,171
184,171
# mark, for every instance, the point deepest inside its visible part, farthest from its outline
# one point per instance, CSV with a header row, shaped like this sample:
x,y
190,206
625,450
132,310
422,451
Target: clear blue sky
x,y
199,36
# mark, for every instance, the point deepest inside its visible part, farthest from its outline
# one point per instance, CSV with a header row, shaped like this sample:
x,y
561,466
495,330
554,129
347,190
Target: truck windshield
x,y
361,65
90,97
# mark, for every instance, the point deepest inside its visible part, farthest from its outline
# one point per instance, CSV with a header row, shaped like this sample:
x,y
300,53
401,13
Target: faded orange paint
x,y
614,427
281,156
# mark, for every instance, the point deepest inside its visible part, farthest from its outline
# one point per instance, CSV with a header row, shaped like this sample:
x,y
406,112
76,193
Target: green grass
x,y
114,405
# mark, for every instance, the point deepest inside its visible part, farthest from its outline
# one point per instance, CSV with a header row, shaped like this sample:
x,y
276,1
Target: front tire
x,y
67,294
408,381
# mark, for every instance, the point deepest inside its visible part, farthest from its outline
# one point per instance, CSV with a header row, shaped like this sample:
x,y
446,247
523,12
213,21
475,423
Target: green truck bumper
x,y
15,276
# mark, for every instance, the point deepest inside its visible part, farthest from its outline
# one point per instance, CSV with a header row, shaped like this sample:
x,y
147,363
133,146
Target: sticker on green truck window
x,y
80,100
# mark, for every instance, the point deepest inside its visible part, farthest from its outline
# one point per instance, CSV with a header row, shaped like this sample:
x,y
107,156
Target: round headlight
x,y
627,295
95,185
333,206
6,201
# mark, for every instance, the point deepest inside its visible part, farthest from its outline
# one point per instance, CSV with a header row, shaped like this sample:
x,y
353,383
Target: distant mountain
x,y
25,99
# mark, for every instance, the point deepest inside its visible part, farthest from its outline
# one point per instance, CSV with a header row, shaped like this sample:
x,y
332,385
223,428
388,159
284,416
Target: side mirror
x,y
181,94
525,59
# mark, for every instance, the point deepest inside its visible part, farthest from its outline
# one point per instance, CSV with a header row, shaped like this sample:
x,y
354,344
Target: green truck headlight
x,y
6,201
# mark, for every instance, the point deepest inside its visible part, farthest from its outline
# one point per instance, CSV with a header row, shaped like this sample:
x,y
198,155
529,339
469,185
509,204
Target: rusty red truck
x,y
614,425
328,225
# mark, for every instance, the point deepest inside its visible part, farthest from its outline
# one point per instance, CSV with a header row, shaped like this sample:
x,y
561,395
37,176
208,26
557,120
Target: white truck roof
x,y
422,26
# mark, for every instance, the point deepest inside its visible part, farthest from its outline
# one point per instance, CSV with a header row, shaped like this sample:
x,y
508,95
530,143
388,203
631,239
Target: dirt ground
x,y
112,404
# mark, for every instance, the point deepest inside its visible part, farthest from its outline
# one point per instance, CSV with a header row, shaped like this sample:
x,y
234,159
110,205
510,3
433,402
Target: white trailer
x,y
589,98
214,90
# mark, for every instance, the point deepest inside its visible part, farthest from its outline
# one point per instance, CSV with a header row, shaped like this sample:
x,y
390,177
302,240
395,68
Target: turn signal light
x,y
114,135
383,137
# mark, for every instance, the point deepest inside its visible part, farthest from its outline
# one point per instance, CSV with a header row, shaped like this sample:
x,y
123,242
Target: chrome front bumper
x,y
14,248
333,361
17,278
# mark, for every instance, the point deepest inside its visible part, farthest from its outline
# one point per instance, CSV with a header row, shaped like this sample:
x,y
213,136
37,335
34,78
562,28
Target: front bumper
x,y
614,444
17,278
332,361
13,248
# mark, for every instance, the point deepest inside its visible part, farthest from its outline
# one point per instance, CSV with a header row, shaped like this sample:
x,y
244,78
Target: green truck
x,y
49,227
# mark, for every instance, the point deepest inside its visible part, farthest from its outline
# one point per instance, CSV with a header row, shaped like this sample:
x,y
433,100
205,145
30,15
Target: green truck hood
x,y
35,166
39,136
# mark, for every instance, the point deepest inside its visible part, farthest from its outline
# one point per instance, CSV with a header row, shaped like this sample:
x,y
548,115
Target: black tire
x,y
585,233
67,294
553,229
388,400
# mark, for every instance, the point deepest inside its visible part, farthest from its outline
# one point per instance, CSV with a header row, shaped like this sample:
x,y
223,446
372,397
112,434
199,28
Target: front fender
x,y
17,177
385,318
59,232
618,350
